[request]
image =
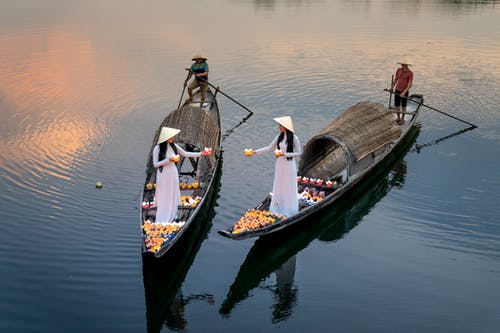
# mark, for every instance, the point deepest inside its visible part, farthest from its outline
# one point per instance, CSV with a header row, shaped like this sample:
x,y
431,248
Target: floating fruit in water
x,y
98,184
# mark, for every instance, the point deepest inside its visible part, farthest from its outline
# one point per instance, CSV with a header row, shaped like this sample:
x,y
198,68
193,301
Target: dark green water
x,y
83,86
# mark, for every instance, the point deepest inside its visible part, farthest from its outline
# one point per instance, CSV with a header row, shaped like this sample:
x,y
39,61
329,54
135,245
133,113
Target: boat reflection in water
x,y
163,277
277,253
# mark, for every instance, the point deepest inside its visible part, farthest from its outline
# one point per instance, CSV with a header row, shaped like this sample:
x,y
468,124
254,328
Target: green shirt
x,y
200,68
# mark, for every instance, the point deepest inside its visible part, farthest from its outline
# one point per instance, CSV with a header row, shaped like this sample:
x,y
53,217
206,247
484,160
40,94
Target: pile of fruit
x,y
157,234
255,219
150,186
189,186
309,195
189,201
146,205
316,182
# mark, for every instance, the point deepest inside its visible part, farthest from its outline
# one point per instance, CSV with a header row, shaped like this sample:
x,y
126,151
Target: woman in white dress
x,y
286,147
165,156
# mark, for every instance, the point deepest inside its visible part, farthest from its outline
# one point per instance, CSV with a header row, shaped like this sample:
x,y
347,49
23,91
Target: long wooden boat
x,y
164,277
200,128
266,257
333,162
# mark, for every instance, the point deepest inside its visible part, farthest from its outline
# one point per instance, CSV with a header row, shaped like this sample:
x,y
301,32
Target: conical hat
x,y
405,61
286,122
198,56
167,133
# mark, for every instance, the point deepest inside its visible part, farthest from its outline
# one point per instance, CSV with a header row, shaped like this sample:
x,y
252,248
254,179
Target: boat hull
x,y
200,128
378,160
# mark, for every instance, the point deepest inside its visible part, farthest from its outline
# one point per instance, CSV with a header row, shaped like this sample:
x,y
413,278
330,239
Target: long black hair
x,y
163,151
289,141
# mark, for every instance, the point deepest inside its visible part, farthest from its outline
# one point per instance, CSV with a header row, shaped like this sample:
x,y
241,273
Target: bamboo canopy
x,y
357,132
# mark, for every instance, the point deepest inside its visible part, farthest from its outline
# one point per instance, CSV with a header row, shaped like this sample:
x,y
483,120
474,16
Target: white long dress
x,y
168,194
285,199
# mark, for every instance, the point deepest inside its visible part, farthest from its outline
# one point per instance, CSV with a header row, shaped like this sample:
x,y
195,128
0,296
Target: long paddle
x,y
390,95
434,109
217,88
183,89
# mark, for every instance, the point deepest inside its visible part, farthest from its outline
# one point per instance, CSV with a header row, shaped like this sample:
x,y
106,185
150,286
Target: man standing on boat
x,y
403,81
200,71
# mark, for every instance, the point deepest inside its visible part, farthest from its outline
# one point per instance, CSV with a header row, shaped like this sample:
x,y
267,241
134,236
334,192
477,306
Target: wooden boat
x,y
334,161
163,277
200,128
266,257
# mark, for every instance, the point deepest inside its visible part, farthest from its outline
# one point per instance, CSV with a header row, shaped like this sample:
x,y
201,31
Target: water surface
x,y
84,86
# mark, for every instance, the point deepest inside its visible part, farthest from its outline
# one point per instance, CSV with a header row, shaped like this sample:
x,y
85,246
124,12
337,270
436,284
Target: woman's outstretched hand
x,y
248,152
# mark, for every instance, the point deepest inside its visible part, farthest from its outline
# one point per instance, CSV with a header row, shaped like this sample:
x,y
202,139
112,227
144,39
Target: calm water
x,y
83,86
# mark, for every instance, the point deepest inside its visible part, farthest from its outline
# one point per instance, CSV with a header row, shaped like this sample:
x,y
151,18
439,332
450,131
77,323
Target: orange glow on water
x,y
47,95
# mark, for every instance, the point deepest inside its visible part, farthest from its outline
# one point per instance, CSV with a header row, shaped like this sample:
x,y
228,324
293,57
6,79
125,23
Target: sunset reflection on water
x,y
85,84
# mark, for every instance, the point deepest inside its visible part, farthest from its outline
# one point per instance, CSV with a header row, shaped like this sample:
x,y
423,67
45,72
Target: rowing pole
x,y
430,107
183,89
217,88
390,95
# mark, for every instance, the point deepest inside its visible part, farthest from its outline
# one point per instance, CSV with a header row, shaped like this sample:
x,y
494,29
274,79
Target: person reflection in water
x,y
175,317
285,295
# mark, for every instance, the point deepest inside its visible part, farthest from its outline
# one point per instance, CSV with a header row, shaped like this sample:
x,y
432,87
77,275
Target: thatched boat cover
x,y
197,128
361,129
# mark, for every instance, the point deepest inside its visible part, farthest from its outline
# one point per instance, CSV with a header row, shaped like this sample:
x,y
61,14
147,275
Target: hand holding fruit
x,y
249,152
206,151
278,152
176,158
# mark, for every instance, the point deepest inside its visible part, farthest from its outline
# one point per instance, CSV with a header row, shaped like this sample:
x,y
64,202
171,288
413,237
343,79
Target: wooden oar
x,y
434,109
390,95
217,88
183,89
